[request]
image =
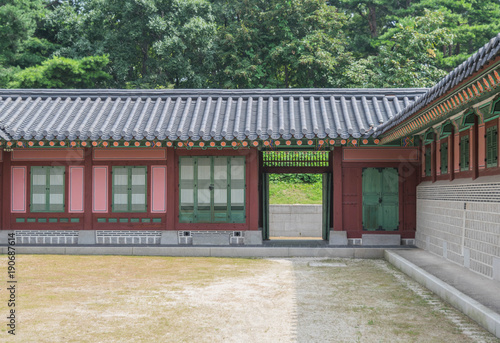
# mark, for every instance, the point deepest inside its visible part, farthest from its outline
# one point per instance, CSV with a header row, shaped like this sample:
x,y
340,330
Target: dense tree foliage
x,y
276,43
238,44
61,72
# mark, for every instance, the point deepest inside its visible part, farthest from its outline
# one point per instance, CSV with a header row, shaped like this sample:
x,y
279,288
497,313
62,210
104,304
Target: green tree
x,y
407,55
280,43
150,43
61,72
471,22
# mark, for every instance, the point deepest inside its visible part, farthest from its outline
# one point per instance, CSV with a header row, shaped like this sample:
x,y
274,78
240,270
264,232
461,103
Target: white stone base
x,y
460,221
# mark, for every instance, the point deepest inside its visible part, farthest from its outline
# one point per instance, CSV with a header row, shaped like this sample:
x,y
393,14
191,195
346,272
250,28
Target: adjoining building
x,y
458,198
191,166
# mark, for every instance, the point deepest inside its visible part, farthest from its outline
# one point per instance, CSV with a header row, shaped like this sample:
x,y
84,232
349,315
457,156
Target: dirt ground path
x,y
165,299
369,301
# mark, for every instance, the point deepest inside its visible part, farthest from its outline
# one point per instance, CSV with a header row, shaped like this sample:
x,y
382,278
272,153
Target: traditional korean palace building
x,y
176,167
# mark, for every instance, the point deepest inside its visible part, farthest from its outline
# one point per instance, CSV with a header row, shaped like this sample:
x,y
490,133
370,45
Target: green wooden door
x,y
380,199
265,206
327,205
212,189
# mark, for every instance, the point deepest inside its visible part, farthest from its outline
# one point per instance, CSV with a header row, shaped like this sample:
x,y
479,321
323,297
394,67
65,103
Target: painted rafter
x,y
460,99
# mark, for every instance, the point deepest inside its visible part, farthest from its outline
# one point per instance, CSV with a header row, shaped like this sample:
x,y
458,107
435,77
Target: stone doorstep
x,y
378,239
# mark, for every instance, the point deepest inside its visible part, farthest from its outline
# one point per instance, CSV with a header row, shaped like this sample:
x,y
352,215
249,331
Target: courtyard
x,y
187,299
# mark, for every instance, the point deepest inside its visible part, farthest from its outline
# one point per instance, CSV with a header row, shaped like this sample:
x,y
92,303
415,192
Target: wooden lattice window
x,y
129,189
47,189
428,160
212,189
296,159
492,146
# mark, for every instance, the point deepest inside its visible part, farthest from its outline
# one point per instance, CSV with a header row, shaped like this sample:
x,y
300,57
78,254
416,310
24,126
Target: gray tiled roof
x,y
473,64
4,136
198,114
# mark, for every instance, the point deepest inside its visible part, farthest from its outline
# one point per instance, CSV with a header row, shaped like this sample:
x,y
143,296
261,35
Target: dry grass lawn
x,y
167,299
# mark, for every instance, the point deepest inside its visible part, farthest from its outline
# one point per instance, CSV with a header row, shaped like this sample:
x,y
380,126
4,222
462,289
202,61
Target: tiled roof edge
x,y
472,65
204,93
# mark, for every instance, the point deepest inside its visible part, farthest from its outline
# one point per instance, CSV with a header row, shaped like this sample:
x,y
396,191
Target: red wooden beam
x,y
337,189
433,161
253,190
6,191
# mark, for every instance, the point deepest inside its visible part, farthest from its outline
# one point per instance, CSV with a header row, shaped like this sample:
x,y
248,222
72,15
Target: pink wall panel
x,y
18,195
100,190
76,189
158,189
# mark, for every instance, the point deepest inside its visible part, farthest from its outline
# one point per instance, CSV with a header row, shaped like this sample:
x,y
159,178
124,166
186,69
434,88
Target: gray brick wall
x,y
295,220
466,230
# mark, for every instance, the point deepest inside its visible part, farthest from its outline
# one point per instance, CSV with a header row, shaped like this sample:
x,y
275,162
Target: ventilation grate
x,y
485,192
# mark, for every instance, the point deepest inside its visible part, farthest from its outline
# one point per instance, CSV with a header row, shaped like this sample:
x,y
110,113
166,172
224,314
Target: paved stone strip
x,y
465,325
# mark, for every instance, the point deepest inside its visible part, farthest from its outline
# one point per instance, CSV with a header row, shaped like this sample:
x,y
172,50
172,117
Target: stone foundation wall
x,y
295,220
461,222
46,237
133,237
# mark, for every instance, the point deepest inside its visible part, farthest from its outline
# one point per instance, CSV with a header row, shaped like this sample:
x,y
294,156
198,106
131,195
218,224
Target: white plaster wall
x,y
295,220
465,230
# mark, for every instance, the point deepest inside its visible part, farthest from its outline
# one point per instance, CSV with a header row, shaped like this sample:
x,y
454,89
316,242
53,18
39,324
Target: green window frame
x,y
492,146
495,110
468,120
129,189
446,130
212,189
464,153
444,158
47,189
428,163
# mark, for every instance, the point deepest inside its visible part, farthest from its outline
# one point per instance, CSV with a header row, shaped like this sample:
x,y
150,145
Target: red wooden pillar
x,y
337,189
261,164
456,152
253,189
422,147
87,215
171,197
438,157
433,161
6,191
473,139
451,155
481,146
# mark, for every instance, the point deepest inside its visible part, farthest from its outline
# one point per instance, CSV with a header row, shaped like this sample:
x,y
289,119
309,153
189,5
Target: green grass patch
x,y
295,193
